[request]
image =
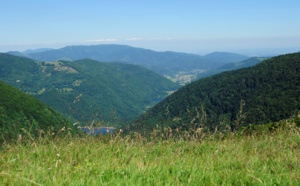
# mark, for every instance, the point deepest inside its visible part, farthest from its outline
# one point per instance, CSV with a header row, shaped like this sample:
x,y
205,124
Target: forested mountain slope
x,y
269,91
19,110
85,90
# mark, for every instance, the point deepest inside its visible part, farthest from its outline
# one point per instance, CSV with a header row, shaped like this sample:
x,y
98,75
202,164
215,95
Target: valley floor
x,y
271,158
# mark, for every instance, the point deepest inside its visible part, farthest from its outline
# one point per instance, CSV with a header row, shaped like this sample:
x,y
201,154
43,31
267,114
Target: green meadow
x,y
260,156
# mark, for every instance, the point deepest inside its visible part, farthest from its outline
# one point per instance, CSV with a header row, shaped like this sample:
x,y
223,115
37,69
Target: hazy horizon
x,y
192,26
262,52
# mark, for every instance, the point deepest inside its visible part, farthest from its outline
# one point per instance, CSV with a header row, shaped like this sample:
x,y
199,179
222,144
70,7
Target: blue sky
x,y
195,26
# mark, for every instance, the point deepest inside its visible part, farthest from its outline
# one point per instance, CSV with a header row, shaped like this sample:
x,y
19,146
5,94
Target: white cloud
x,y
161,39
102,40
127,39
148,39
134,39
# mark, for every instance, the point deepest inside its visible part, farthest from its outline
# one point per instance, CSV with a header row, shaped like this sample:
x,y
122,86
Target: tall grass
x,y
259,158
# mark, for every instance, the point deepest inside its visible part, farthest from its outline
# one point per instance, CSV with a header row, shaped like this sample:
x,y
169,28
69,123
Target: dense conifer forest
x,y
21,113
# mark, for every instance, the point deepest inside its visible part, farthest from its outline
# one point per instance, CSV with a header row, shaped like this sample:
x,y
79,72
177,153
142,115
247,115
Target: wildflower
x,y
19,137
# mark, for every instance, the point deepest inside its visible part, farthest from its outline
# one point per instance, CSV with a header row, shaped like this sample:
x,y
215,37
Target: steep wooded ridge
x,y
19,110
85,90
164,63
268,91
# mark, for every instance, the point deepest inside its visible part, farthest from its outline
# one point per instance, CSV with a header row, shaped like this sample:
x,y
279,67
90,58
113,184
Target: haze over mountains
x,y
231,66
167,63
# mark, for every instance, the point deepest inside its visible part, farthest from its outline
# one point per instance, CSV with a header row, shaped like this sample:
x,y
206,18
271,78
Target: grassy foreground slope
x,y
269,91
264,158
20,111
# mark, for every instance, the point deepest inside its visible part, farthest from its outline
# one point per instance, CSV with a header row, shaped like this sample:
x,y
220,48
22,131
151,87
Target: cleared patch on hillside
x,y
59,66
67,89
77,83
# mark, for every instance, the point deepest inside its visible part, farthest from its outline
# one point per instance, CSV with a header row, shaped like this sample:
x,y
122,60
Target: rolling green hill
x,y
269,91
86,89
164,63
19,110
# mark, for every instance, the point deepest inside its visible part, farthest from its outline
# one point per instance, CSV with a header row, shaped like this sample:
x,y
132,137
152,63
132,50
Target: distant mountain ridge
x,y
164,63
225,57
232,66
243,64
86,89
266,92
30,51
